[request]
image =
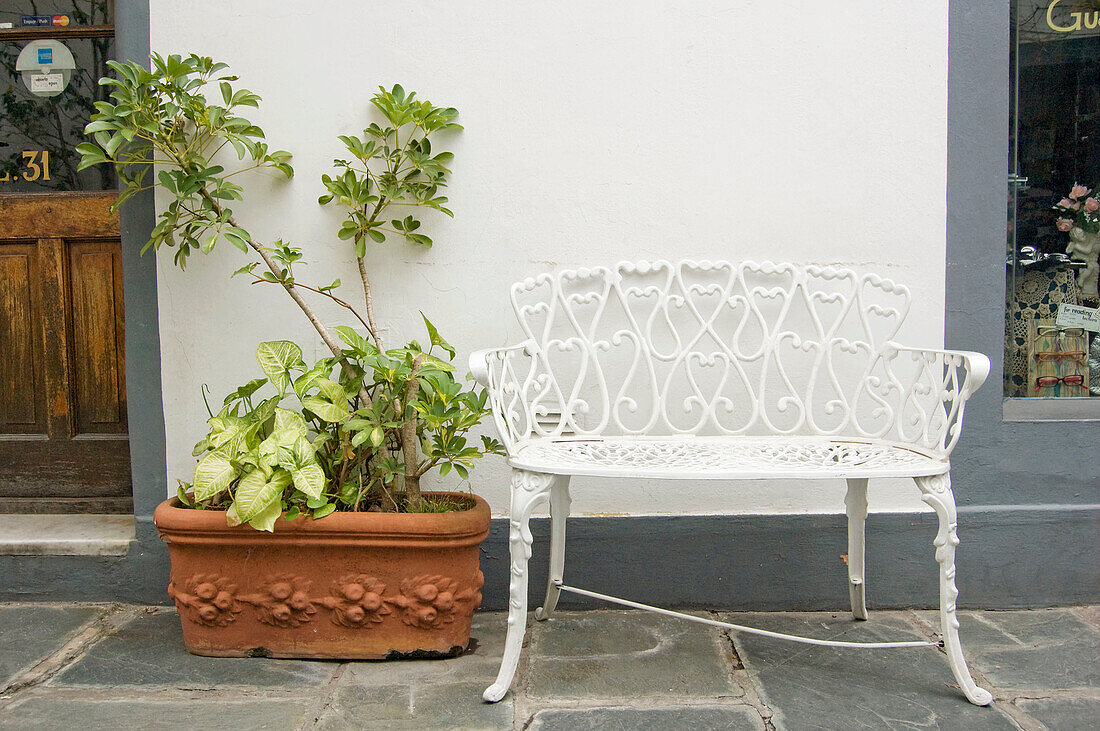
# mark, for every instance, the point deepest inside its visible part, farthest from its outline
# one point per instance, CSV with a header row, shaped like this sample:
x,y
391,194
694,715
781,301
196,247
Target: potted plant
x,y
303,531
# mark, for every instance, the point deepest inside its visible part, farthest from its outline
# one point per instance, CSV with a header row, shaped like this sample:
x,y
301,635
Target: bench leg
x,y
936,491
529,489
559,511
856,503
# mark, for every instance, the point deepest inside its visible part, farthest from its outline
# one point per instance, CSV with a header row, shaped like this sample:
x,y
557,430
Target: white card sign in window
x,y
1087,318
47,84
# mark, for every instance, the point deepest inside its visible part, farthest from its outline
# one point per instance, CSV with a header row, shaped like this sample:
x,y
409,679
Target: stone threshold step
x,y
65,535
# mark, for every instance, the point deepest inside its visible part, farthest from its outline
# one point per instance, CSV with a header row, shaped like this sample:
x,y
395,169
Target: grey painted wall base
x,y
1009,558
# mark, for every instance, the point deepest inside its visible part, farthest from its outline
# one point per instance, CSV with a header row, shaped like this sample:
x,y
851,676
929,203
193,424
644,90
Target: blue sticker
x,y
45,56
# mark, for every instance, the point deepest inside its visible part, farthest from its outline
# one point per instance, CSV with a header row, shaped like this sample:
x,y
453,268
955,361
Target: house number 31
x,y
36,164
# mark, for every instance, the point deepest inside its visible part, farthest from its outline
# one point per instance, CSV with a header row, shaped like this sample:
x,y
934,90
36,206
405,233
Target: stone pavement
x,y
120,667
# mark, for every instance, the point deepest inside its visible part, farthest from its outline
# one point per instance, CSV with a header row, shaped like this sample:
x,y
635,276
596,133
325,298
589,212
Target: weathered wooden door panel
x,y
20,371
98,338
63,430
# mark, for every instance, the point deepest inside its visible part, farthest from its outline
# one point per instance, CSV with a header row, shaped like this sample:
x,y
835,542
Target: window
x,y
1052,350
40,128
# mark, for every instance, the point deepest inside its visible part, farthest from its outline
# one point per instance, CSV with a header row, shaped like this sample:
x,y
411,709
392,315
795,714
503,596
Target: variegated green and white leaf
x,y
224,429
265,519
258,490
214,473
330,403
304,382
276,358
310,479
231,517
290,421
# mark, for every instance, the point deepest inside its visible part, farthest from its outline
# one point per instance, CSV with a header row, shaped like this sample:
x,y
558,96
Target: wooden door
x,y
63,432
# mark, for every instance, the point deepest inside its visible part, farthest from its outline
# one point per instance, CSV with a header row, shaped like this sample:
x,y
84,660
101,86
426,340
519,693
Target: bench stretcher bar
x,y
741,628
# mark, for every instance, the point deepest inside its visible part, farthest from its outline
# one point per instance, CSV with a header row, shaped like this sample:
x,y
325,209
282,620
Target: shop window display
x,y
1052,347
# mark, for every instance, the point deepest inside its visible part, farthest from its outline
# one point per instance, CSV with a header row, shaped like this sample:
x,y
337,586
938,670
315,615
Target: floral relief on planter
x,y
356,601
431,601
208,600
284,601
350,585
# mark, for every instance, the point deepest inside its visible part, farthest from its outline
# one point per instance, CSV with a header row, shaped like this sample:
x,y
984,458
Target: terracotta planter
x,y
349,586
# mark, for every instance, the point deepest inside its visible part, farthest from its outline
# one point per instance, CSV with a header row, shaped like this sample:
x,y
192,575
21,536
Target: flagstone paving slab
x,y
735,718
440,706
1041,648
624,654
478,664
30,633
815,687
582,670
49,714
1064,714
149,651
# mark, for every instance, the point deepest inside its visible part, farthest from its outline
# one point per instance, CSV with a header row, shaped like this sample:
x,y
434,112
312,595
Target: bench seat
x,y
724,458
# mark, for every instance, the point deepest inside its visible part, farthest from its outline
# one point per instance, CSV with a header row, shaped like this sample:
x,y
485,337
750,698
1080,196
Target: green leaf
x,y
276,358
245,391
181,494
324,510
355,341
258,491
435,338
213,474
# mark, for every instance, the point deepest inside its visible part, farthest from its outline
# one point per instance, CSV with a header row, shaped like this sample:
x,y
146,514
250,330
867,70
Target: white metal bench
x,y
715,370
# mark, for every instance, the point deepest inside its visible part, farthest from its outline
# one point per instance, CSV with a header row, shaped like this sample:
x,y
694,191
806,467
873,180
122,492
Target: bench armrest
x,y
977,365
937,393
513,377
479,359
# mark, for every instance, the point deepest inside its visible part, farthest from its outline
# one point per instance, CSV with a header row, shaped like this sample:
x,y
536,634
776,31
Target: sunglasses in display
x,y
1046,381
1047,330
1049,355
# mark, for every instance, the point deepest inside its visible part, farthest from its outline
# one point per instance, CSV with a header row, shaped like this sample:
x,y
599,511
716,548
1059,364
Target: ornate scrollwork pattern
x,y
716,348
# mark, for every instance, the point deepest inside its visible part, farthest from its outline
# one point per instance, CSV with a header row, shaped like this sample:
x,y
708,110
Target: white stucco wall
x,y
803,130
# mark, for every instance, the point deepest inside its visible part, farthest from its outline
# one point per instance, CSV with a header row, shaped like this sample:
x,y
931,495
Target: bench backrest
x,y
711,348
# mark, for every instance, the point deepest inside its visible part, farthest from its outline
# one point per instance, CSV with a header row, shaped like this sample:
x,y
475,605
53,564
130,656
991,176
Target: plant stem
x,y
292,290
408,437
373,327
374,331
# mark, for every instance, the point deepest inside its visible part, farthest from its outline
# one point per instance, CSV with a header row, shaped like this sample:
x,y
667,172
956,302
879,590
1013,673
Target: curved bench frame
x,y
918,410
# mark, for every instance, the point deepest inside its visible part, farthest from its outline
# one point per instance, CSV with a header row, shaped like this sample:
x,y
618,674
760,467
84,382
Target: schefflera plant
x,y
353,431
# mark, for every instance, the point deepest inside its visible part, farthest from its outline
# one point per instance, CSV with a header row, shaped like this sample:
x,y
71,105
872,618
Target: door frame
x,y
142,574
